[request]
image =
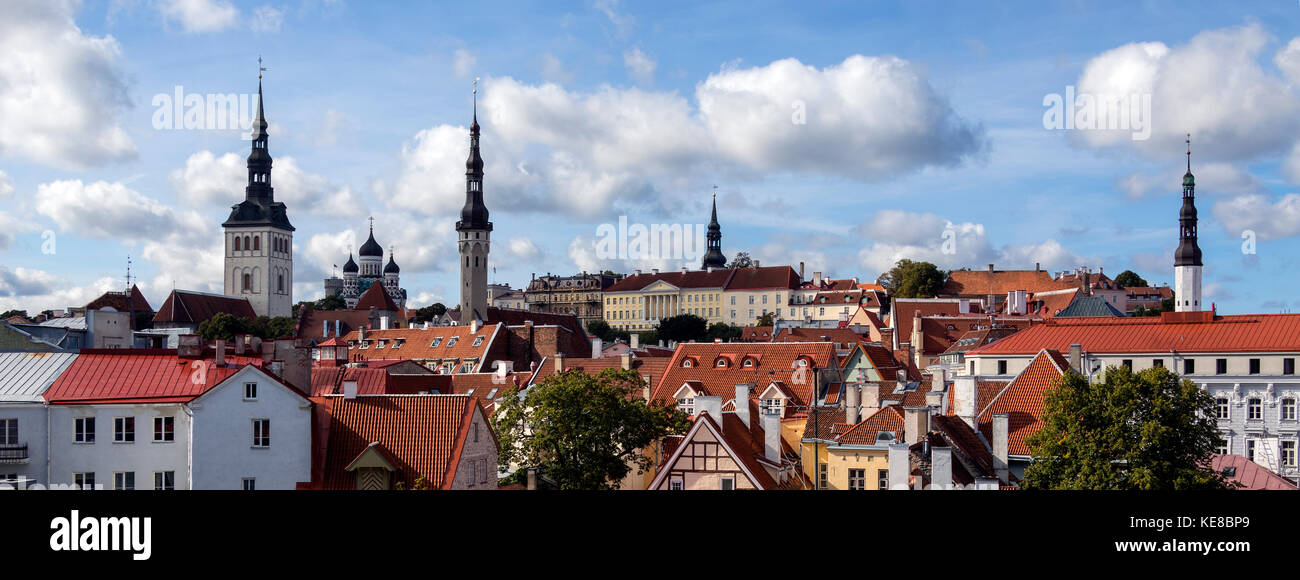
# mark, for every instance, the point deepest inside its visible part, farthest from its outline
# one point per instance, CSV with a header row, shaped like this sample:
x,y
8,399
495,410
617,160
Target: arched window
x,y
236,243
257,242
248,243
248,282
281,282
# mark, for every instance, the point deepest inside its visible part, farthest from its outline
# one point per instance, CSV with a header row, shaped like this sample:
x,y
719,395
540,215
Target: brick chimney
x,y
625,361
239,344
189,346
596,347
634,341
772,437
711,404
900,466
870,398
963,390
1076,358
852,406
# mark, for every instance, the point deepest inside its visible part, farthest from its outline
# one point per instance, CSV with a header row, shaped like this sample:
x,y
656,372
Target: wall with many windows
x,y
119,445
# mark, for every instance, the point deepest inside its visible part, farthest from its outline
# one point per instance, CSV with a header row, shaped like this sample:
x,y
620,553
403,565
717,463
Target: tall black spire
x,y
713,257
474,216
1188,252
259,206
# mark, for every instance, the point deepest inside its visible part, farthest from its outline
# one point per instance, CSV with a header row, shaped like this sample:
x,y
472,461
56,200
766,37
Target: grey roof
x,y
24,376
74,322
1089,306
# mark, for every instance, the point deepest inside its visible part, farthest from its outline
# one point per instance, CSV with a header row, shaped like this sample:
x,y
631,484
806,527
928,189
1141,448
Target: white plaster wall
x,y
223,436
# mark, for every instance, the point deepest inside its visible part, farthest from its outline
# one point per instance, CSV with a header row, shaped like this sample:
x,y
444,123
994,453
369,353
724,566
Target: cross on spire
x,y
1189,152
372,224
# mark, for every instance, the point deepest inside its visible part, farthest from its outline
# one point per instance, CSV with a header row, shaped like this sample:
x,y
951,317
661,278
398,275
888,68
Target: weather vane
x,y
715,191
260,68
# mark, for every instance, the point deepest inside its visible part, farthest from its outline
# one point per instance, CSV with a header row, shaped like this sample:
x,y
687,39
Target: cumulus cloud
x,y
622,23
1212,179
10,226
523,249
407,236
1270,220
37,290
210,180
640,66
867,117
897,235
1212,87
553,70
6,186
25,282
61,103
201,16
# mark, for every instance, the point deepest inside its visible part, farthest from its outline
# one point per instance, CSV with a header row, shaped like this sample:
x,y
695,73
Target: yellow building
x,y
736,296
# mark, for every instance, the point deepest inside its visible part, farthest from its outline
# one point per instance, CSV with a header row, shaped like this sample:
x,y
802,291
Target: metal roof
x,y
73,322
24,376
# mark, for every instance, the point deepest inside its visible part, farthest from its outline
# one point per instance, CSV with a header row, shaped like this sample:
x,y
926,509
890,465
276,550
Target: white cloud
x,y
641,67
610,8
1291,165
60,103
867,117
111,211
1288,60
1212,87
407,236
9,226
897,235
6,186
463,62
1269,220
210,180
523,249
1212,179
199,16
331,124
267,19
36,290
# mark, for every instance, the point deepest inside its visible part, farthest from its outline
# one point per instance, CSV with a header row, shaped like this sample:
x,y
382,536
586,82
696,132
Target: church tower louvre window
x,y
255,223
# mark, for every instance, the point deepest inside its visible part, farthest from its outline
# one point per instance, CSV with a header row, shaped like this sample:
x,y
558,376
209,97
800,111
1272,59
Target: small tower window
x,y
237,243
257,243
248,282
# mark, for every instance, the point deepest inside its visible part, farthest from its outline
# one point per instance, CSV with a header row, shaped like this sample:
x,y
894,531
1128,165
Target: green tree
x,y
222,325
8,313
683,328
1129,279
724,331
648,337
601,329
331,303
741,260
1145,431
584,432
908,279
767,319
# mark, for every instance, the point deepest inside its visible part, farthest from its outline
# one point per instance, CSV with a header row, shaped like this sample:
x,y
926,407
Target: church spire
x,y
713,257
474,215
1188,253
259,159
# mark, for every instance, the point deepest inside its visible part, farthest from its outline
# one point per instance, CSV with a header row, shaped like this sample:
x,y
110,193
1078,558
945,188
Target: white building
x,y
24,377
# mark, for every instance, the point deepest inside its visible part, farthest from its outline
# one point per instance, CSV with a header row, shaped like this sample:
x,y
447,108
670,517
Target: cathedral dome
x,y
350,267
392,268
371,247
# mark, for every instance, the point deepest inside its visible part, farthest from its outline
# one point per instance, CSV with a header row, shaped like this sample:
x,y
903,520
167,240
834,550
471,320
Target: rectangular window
x,y
1254,366
1189,366
436,342
1127,363
770,406
8,431
687,405
675,484
250,391
857,479
1223,407
249,484
164,480
261,432
452,341
1250,449
84,480
822,476
1158,363
728,483
124,429
478,340
1220,366
882,478
85,430
124,480
1288,366
1288,453
1288,409
1002,367
1223,447
1254,410
164,428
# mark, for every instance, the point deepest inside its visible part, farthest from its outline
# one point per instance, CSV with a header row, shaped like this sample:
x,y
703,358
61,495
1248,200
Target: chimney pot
x,y
221,352
742,403
559,362
1001,423
852,406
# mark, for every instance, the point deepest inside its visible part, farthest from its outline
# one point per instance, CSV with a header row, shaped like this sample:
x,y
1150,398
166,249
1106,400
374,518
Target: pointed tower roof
x,y
371,247
713,257
391,268
259,207
1188,252
351,266
376,296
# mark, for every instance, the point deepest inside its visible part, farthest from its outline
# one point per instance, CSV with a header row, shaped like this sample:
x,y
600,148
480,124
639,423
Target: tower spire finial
x,y
372,225
1189,152
476,101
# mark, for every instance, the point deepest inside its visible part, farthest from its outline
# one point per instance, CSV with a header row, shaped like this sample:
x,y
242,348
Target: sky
x,y
843,135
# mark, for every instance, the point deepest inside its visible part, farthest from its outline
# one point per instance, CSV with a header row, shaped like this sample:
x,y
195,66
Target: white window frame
x,y
160,429
120,480
1288,409
1254,409
676,483
1287,449
120,433
84,479
9,426
261,433
160,480
84,430
723,483
250,391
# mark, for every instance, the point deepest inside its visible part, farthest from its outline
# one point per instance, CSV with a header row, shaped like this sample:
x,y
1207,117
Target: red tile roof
x,y
763,278
118,301
423,434
139,376
736,279
1229,333
779,357
888,418
311,322
186,307
1022,400
1000,282
375,297
513,317
1050,303
653,366
842,336
1251,475
454,342
372,381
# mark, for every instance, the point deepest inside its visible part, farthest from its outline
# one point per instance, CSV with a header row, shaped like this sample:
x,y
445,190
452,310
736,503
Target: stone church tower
x,y
258,235
474,236
1187,258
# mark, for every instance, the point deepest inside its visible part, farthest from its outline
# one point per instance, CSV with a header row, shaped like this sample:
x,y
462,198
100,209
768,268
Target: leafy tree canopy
x,y
768,319
741,260
584,432
1148,430
1130,279
225,326
428,313
908,279
683,328
724,331
8,313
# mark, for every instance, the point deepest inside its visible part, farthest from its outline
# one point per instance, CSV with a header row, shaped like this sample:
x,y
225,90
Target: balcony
x,y
13,453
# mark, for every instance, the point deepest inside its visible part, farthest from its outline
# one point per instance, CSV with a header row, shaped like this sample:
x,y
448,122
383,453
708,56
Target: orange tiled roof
x,y
1185,332
653,366
1022,400
423,435
779,357
1000,282
888,418
453,342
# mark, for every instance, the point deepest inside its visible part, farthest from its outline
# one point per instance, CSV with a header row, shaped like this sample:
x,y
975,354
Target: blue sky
x,y
920,118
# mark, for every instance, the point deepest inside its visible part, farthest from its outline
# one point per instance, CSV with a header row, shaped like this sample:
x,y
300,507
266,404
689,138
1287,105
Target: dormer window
x,y
687,364
720,363
452,341
478,340
437,341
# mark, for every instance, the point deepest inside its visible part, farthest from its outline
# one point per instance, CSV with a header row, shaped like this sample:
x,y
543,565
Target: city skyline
x,y
612,110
